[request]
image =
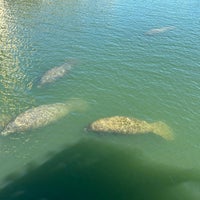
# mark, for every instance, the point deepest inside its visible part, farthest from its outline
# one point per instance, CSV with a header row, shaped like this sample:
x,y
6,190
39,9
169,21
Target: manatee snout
x,y
88,128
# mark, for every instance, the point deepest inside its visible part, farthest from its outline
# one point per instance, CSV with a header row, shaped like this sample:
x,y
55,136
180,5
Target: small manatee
x,y
54,74
126,125
160,30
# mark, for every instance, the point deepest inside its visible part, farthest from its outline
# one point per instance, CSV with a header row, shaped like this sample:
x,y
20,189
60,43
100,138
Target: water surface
x,y
117,69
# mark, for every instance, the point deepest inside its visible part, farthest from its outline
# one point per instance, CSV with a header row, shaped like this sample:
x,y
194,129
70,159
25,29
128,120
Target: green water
x,y
118,70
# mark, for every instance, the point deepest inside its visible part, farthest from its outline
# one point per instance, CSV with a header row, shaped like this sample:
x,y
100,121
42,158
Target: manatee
x,y
42,115
126,125
160,30
54,74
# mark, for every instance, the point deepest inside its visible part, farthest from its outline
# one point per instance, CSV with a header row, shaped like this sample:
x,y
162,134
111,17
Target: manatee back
x,y
54,73
36,117
120,124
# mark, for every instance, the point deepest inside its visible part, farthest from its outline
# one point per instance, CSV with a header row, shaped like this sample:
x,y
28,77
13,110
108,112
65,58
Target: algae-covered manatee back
x,y
127,125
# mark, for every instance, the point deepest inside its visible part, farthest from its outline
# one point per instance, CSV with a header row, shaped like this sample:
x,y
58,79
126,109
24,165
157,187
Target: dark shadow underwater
x,y
93,169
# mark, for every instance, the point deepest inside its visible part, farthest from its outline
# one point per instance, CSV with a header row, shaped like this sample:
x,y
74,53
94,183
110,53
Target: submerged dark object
x,y
126,125
93,169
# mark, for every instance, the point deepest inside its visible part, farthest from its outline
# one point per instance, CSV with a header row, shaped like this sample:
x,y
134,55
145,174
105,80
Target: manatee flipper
x,y
163,130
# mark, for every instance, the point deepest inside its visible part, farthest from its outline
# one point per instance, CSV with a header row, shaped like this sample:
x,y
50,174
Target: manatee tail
x,y
163,130
76,104
70,62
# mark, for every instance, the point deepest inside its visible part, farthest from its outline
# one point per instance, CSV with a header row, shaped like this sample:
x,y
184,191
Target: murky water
x,y
118,69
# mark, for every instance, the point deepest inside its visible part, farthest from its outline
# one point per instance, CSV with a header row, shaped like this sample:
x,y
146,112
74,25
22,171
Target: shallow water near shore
x,y
117,69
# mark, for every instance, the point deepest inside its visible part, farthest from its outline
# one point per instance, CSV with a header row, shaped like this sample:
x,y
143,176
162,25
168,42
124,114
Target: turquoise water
x,y
118,70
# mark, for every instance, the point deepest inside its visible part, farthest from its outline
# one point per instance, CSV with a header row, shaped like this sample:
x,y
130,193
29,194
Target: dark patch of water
x,y
92,169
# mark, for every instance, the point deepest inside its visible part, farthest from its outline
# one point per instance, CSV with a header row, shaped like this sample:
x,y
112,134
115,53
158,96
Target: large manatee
x,y
42,115
126,125
54,74
160,30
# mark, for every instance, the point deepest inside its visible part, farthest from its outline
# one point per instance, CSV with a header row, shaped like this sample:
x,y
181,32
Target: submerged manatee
x,y
160,30
42,115
54,73
126,125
